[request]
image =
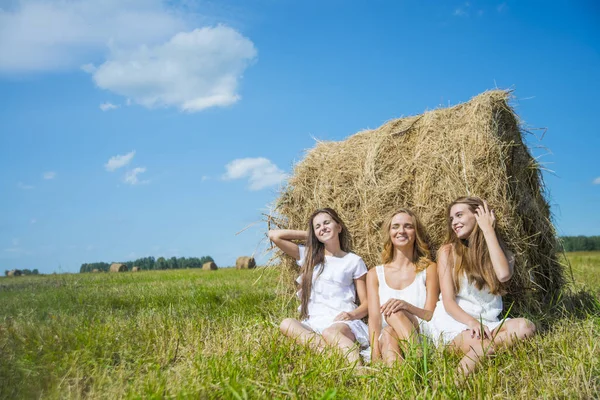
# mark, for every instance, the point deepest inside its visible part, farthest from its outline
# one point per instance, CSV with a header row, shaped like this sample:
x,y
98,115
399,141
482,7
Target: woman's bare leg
x,y
294,329
513,330
473,349
390,350
405,326
340,335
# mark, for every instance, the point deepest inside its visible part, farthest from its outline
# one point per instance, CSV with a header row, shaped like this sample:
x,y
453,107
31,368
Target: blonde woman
x,y
403,291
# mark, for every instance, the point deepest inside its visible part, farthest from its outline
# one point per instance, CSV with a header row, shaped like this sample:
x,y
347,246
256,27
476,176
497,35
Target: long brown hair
x,y
472,256
421,254
315,255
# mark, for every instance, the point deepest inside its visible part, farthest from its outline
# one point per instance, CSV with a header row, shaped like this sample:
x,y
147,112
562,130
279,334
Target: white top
x,y
480,304
333,289
415,293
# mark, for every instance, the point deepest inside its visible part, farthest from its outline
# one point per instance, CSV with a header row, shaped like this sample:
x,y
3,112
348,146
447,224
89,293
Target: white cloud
x,y
41,35
131,177
24,186
49,175
462,11
32,221
108,106
89,68
596,181
204,178
193,70
119,161
501,7
261,172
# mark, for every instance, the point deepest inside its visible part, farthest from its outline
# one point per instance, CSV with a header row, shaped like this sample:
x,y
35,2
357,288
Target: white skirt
x,y
443,328
359,329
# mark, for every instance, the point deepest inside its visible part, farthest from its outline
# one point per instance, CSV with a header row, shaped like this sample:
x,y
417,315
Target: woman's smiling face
x,y
325,227
462,220
402,230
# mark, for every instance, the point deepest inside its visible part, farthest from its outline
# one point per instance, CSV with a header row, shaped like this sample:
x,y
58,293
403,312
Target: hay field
x,y
213,334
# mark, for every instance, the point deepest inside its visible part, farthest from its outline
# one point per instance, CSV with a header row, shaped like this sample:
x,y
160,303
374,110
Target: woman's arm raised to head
x,y
486,221
283,238
374,313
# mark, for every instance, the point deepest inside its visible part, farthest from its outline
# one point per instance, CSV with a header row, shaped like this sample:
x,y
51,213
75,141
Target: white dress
x,y
333,292
415,293
479,304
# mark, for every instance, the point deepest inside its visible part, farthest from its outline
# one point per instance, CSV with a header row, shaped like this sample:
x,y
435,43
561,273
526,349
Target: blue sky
x,y
141,127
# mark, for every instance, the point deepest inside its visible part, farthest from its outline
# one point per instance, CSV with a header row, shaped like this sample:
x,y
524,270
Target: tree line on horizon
x,y
150,263
24,271
580,243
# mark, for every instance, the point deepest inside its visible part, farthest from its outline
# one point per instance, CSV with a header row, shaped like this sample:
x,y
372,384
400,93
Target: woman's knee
x,y
399,316
287,325
525,328
335,331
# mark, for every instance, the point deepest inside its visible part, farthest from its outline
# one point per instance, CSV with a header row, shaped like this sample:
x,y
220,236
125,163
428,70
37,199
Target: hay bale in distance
x,y
209,266
245,262
117,267
95,270
136,269
424,162
15,272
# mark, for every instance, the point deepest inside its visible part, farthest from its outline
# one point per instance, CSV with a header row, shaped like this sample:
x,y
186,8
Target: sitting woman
x,y
404,290
473,265
330,279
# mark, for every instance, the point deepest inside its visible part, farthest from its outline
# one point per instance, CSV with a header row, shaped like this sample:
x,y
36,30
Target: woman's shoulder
x,y
445,250
353,257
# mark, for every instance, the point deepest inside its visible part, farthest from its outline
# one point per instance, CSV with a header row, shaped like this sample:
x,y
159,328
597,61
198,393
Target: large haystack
x,y
245,262
136,269
424,162
116,267
209,266
15,272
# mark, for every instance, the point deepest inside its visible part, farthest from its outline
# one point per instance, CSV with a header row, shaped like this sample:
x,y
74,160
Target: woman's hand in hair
x,y
344,316
485,218
394,305
478,330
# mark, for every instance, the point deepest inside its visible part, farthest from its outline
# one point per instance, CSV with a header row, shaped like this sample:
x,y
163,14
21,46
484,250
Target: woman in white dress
x,y
330,279
403,290
473,265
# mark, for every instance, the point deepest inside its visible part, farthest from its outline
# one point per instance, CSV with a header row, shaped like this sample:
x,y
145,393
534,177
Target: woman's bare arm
x,y
283,238
374,313
486,221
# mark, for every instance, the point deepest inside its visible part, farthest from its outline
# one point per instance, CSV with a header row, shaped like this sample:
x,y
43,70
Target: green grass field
x,y
214,334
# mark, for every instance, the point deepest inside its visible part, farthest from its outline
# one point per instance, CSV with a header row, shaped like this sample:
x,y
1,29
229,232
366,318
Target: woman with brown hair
x,y
331,278
473,266
403,290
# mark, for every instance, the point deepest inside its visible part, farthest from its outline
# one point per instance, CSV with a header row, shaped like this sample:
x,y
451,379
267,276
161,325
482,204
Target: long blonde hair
x,y
315,255
471,256
421,255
